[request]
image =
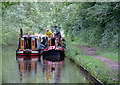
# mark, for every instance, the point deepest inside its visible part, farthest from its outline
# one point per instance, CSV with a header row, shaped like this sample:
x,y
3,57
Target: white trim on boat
x,y
31,52
34,52
20,52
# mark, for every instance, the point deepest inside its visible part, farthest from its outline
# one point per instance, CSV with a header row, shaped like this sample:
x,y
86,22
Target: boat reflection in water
x,y
27,65
31,67
52,70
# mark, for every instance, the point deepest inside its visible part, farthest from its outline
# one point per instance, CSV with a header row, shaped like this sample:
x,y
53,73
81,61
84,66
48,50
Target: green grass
x,y
93,65
108,54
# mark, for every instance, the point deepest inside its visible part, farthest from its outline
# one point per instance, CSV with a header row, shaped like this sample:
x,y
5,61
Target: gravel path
x,y
87,50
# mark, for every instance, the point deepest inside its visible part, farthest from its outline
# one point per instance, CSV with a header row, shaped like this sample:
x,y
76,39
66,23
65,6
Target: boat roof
x,y
31,35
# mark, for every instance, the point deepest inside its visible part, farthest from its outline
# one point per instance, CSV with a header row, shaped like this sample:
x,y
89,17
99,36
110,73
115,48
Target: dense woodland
x,y
96,23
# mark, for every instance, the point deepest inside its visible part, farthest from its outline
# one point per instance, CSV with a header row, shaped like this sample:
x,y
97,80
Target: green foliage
x,y
95,23
8,4
93,65
28,16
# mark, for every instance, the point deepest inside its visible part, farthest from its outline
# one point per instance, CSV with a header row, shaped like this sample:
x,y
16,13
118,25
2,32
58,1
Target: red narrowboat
x,y
55,49
28,45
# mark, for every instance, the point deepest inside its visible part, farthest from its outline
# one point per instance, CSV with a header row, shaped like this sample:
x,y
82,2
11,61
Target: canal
x,y
38,71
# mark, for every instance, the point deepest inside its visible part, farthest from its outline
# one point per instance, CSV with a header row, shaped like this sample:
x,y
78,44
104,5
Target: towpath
x,y
87,50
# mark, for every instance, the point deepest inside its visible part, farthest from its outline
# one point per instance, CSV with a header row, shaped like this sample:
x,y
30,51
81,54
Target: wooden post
x,y
33,43
49,42
22,44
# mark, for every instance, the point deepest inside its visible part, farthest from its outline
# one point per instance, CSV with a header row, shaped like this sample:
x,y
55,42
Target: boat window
x,y
53,42
28,43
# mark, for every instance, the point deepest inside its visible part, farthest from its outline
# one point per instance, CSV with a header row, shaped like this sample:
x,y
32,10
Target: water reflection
x,y
34,71
52,70
28,65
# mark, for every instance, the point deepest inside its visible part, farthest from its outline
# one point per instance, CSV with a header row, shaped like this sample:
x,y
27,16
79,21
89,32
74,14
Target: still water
x,y
35,71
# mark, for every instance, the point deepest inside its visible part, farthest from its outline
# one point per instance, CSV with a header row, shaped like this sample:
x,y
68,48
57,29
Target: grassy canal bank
x,y
95,66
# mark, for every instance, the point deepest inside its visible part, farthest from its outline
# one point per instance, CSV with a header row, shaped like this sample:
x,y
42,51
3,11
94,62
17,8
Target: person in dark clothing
x,y
44,42
58,34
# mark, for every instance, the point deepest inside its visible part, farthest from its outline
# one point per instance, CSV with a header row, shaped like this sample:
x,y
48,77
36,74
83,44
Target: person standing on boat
x,y
48,36
57,34
48,33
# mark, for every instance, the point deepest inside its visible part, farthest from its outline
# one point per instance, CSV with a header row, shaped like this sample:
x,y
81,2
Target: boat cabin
x,y
28,42
28,45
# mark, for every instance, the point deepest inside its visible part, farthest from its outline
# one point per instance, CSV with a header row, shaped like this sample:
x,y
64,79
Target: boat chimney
x,y
21,33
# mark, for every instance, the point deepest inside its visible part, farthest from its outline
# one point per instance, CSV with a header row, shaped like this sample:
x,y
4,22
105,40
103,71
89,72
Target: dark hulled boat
x,y
55,50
